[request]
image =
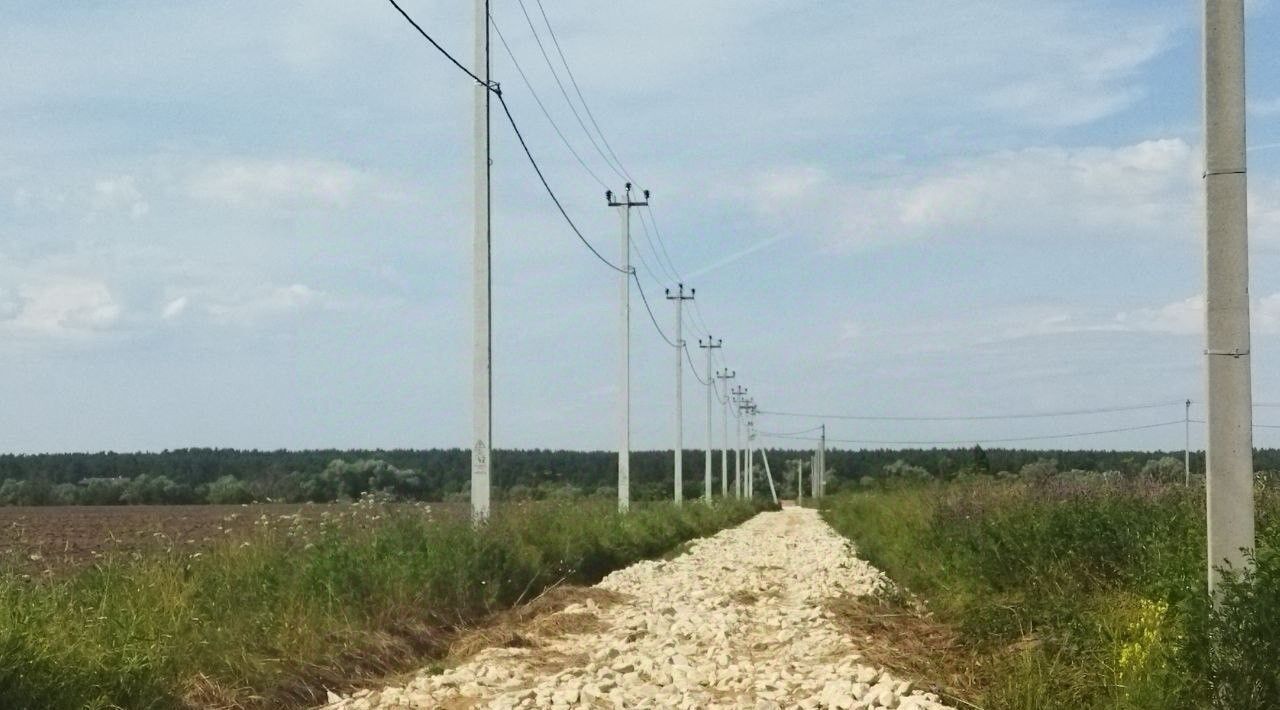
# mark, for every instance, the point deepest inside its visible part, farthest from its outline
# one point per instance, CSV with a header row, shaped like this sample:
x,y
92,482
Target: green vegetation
x,y
1080,590
226,475
268,621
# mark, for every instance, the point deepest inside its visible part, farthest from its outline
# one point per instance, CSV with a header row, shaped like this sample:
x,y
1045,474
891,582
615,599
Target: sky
x,y
248,224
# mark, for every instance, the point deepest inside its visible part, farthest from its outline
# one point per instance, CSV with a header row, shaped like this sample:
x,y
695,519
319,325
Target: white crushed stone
x,y
689,637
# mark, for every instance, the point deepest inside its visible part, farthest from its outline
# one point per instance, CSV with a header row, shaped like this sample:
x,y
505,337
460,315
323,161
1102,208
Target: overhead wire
x,y
493,88
497,92
437,45
551,193
645,300
555,126
689,357
966,442
578,90
973,417
563,92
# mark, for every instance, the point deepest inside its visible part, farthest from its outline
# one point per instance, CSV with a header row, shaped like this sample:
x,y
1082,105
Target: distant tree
x,y
902,469
1166,469
980,462
228,490
1039,469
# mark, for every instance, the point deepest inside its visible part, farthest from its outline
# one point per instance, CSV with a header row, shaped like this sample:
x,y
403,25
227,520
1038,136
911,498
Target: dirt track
x,y
738,621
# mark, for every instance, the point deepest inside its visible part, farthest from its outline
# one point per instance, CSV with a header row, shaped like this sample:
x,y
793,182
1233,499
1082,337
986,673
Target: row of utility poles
x,y
1229,449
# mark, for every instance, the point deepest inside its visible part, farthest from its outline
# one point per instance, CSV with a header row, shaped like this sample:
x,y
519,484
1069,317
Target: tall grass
x,y
270,620
1077,593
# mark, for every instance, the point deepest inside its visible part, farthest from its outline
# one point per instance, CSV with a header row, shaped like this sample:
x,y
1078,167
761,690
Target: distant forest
x,y
234,476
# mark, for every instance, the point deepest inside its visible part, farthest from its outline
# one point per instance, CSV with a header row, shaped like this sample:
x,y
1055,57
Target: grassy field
x,y
275,616
1067,593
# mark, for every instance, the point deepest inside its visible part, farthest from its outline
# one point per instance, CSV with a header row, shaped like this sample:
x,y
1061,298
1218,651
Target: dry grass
x,y
543,617
900,634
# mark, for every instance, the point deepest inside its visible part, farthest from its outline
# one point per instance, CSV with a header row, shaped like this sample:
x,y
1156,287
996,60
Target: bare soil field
x,y
45,540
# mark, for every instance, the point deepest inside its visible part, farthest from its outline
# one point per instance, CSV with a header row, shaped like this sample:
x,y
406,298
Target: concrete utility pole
x,y
800,482
822,463
739,397
748,471
679,299
773,492
1229,411
481,283
813,476
624,446
725,375
1186,449
709,346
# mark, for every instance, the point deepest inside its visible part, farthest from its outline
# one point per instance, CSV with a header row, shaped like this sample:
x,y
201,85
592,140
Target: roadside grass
x,y
278,618
1075,593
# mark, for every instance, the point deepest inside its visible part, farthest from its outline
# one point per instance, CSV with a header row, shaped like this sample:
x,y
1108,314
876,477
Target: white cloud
x,y
175,308
1186,317
119,195
252,182
265,304
60,307
1265,107
1147,190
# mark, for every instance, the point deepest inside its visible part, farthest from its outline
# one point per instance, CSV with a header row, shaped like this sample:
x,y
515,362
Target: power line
x,y
670,273
436,44
978,417
541,105
520,136
662,243
551,193
563,92
689,357
645,299
966,442
790,433
578,90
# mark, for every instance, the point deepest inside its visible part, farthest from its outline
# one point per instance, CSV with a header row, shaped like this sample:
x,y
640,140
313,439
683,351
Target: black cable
x,y
790,433
552,194
689,357
645,299
966,442
983,417
436,44
555,75
578,90
541,105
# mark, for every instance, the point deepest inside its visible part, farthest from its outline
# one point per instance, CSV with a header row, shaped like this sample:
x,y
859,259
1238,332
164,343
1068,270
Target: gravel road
x,y
735,622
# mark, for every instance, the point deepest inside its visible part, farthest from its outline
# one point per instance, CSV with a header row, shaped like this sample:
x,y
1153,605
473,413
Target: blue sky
x,y
247,224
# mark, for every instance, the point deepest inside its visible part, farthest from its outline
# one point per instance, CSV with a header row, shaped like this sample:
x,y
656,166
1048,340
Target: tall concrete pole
x,y
711,380
749,481
739,398
679,298
725,375
1229,449
1186,448
624,411
800,482
822,463
773,492
481,283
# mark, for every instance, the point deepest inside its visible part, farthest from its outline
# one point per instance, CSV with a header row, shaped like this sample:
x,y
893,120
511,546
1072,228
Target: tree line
x,y
190,476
